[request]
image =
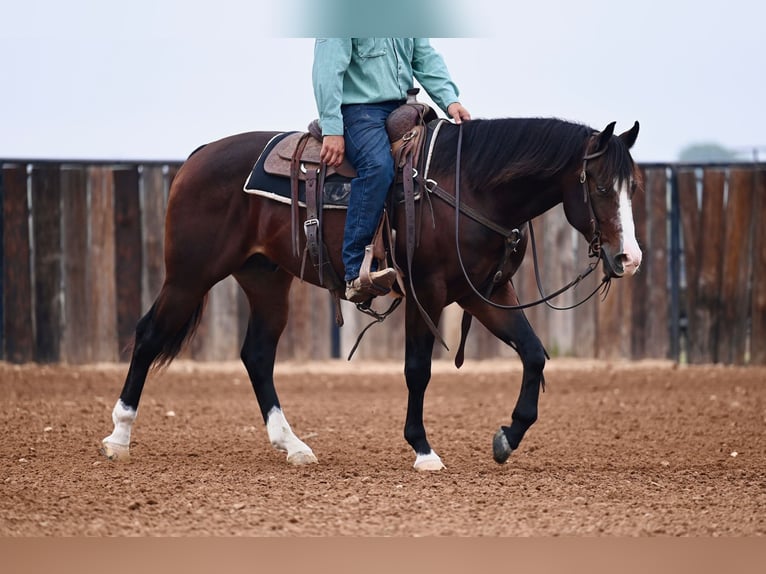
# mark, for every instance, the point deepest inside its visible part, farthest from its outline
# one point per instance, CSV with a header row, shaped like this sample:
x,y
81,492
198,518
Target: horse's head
x,y
600,206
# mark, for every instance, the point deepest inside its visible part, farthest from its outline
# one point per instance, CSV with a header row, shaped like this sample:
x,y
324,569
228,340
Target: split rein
x,y
513,237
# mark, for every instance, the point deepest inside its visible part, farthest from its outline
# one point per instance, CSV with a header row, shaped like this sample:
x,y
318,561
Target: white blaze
x,y
631,252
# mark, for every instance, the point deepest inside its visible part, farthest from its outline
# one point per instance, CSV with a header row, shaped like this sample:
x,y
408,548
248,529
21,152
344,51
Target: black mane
x,y
497,150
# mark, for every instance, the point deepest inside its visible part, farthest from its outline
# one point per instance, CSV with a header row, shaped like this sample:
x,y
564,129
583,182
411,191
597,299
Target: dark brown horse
x,y
511,171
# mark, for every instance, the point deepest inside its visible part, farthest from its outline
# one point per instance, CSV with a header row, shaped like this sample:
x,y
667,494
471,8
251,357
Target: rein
x,y
512,238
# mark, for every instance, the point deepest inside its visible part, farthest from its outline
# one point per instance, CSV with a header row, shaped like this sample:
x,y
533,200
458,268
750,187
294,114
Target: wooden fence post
x,y
17,279
736,250
153,234
128,256
75,340
100,283
47,253
640,308
758,306
651,282
2,265
704,318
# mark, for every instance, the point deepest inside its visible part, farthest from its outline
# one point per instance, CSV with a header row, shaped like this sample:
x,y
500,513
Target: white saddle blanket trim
x,y
286,200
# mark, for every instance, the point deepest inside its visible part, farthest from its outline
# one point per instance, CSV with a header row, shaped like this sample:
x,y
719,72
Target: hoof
x,y
302,458
115,452
501,450
428,462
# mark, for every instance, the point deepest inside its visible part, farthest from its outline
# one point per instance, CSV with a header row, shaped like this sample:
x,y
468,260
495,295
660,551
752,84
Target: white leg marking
x,y
117,445
283,439
630,246
428,462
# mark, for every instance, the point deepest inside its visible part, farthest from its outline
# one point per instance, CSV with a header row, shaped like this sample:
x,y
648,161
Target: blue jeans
x,y
369,151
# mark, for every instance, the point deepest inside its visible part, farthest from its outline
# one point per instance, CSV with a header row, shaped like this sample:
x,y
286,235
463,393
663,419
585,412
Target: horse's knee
x,y
533,355
535,361
417,371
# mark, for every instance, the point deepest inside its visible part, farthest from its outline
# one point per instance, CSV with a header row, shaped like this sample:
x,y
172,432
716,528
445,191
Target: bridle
x,y
513,237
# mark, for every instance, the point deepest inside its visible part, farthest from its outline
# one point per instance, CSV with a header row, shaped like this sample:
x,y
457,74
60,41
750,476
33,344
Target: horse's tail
x,y
172,346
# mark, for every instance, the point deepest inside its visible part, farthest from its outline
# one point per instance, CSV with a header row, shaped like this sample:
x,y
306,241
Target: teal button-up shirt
x,y
372,70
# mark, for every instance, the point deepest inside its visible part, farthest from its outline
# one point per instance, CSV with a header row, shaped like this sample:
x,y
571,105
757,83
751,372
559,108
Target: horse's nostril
x,y
624,262
622,259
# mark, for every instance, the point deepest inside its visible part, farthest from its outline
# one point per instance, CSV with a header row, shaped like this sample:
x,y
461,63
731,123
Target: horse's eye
x,y
601,190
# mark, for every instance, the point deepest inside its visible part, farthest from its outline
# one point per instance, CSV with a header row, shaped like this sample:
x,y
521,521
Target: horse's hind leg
x,y
267,291
160,334
513,328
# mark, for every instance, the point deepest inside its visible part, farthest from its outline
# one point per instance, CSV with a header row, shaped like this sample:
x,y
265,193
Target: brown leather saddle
x,y
281,159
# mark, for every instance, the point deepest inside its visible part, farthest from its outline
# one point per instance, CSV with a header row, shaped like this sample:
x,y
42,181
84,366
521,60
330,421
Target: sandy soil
x,y
619,449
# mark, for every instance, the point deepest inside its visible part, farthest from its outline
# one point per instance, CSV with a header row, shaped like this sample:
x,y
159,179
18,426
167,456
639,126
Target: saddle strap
x,y
408,184
294,181
312,226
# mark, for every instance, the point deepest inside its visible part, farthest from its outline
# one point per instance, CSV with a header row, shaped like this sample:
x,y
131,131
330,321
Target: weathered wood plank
x,y
585,316
128,263
46,215
218,335
559,269
655,267
17,280
2,266
732,335
690,233
75,343
640,309
613,340
101,293
704,318
153,203
758,306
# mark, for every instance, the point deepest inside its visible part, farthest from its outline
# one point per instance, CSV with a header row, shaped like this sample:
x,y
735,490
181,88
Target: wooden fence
x,y
82,251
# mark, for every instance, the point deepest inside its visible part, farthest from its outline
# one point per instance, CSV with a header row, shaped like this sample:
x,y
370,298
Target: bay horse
x,y
510,171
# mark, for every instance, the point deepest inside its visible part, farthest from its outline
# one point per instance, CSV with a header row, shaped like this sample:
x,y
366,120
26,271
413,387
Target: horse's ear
x,y
604,137
629,137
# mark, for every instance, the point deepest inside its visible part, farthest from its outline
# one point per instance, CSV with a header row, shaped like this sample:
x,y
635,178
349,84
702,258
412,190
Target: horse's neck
x,y
523,202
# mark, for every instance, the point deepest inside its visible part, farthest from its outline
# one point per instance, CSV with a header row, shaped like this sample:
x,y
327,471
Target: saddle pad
x,y
336,188
336,192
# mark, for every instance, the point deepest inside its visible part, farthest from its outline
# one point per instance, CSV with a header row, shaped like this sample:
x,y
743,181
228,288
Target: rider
x,y
357,83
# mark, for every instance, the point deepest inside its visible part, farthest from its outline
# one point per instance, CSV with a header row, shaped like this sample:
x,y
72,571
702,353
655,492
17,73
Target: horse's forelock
x,y
617,161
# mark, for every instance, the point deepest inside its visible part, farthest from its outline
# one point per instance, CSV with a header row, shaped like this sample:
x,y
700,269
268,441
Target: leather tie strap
x,y
294,195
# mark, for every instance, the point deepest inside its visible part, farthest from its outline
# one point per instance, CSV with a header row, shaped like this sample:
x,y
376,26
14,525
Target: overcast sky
x,y
149,79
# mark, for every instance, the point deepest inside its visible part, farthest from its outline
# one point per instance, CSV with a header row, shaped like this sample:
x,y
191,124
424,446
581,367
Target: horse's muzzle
x,y
622,264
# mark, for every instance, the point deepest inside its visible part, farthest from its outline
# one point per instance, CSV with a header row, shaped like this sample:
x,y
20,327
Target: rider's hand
x,y
333,148
458,113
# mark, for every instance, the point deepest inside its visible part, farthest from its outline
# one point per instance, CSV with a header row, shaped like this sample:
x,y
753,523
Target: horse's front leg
x,y
513,328
417,372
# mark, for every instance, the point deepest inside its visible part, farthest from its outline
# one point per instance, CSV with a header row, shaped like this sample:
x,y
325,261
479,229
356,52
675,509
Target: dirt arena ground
x,y
637,449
